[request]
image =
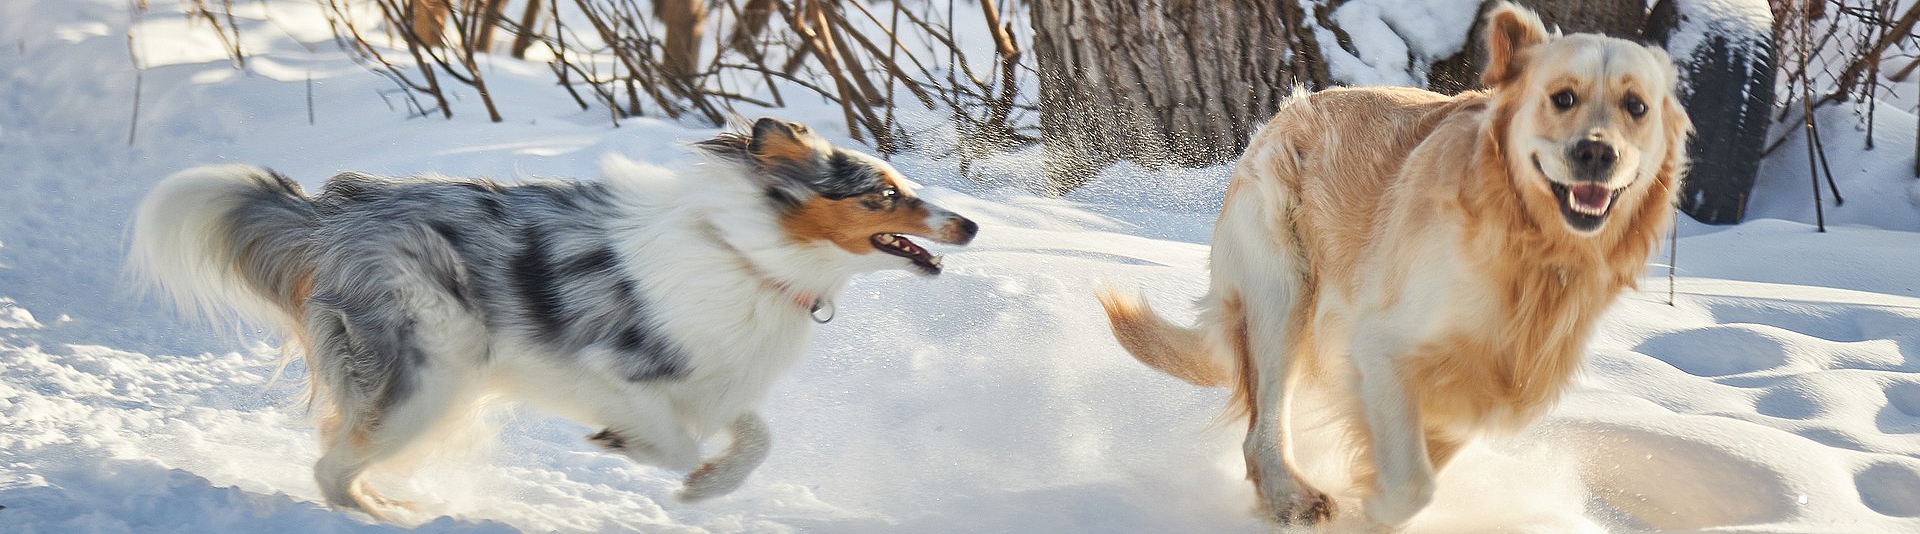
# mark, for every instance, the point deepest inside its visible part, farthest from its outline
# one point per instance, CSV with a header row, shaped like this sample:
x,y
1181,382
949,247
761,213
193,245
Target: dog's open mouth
x,y
1585,206
899,245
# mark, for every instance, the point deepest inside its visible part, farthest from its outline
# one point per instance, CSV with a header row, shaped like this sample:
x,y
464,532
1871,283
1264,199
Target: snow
x,y
1738,25
12,316
1868,179
1394,41
1779,392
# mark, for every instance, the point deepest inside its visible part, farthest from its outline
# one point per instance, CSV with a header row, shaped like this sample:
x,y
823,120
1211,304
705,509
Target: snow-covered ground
x,y
1779,392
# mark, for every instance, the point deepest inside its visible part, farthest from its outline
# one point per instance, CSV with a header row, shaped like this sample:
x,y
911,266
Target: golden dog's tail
x,y
1186,353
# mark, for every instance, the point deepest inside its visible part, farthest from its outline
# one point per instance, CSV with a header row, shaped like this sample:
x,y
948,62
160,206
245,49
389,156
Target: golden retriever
x,y
1434,263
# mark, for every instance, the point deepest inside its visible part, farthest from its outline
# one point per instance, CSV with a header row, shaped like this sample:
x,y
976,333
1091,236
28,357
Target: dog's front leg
x,y
1403,477
725,472
645,429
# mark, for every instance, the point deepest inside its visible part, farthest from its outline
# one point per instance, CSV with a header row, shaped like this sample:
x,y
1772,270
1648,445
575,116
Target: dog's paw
x,y
708,482
382,508
392,511
1305,507
381,501
1393,508
609,440
680,459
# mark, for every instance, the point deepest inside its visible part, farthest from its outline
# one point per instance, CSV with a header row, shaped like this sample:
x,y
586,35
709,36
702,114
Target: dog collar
x,y
818,306
819,309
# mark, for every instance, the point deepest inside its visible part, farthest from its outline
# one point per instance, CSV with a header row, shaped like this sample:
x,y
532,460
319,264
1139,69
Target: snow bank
x,y
1773,396
1878,184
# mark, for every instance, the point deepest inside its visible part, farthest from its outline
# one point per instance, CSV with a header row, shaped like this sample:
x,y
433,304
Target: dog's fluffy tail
x,y
227,241
1186,353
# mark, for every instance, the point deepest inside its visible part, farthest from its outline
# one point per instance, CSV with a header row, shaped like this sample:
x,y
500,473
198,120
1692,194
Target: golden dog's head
x,y
1588,125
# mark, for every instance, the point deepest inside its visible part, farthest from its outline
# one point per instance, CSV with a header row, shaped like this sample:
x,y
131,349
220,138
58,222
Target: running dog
x,y
658,305
1432,264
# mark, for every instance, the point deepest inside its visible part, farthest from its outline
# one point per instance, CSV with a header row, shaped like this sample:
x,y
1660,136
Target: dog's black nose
x,y
967,230
1593,158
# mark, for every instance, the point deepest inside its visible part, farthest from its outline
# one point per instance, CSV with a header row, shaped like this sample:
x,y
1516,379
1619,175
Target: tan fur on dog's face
x,y
854,201
851,223
1590,121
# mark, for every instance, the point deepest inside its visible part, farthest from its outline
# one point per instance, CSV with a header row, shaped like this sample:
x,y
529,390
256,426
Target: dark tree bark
x,y
1172,82
489,19
523,39
1728,83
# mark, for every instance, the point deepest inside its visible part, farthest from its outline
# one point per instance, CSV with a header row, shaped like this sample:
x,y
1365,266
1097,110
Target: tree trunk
x,y
489,19
1168,82
523,39
429,21
686,21
1727,87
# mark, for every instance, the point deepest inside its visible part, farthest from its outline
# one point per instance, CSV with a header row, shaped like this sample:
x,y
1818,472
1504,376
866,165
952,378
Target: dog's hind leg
x,y
338,470
724,473
1260,302
391,380
386,430
1273,375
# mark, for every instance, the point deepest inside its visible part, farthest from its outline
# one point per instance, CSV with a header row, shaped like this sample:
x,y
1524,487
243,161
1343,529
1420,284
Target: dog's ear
x,y
775,142
1511,30
787,159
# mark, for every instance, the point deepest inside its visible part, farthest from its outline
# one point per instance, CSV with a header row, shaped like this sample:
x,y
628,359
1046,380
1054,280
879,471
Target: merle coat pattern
x,y
657,305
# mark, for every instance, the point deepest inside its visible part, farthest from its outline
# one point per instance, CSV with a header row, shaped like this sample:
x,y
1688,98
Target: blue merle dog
x,y
658,305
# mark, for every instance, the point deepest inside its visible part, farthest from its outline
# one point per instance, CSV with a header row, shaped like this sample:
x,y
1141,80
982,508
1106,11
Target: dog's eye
x,y
1563,100
886,199
1634,106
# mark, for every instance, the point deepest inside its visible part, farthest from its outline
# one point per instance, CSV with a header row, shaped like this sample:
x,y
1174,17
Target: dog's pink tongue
x,y
1592,197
